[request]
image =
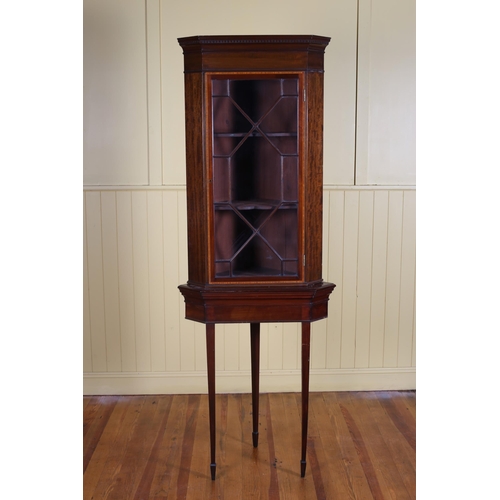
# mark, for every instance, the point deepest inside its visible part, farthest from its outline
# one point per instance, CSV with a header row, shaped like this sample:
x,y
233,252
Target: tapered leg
x,y
255,356
306,350
210,328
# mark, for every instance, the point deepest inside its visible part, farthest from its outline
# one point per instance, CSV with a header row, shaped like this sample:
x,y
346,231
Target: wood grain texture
x,y
254,52
256,303
240,56
359,446
104,455
314,178
197,224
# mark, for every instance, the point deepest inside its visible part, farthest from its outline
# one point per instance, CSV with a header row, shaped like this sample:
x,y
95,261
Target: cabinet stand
x,y
254,305
255,361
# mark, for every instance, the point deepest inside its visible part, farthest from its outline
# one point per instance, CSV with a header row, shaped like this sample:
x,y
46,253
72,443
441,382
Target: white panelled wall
x,y
136,337
136,340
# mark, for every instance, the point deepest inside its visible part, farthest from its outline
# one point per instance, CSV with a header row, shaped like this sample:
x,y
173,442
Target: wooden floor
x,y
361,446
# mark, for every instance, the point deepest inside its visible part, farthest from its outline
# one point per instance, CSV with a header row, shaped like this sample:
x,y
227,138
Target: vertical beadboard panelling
x,y
110,277
393,282
187,328
172,302
136,255
291,346
126,285
141,280
264,346
220,347
414,339
231,347
379,265
319,330
87,344
96,282
200,343
275,346
407,292
348,291
335,275
364,279
156,279
244,345
220,338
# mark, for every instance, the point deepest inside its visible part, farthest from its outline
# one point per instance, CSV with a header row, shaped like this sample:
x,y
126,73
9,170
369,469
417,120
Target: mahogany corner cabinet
x,y
254,181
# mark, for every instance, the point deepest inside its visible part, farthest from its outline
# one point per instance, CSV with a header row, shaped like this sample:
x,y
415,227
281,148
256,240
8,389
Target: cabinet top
x,y
253,52
255,39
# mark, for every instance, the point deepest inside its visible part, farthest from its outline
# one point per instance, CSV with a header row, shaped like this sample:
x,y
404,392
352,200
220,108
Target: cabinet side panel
x,y
314,177
195,180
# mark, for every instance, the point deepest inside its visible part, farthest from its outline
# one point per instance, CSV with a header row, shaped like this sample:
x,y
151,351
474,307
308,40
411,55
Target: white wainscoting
x,y
136,339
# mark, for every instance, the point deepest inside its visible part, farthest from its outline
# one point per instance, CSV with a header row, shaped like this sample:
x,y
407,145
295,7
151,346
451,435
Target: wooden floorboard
x,y
361,445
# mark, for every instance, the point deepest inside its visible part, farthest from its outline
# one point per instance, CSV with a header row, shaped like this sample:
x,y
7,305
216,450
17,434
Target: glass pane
x,y
220,87
255,177
231,233
290,86
257,258
227,118
290,178
221,179
256,171
222,269
281,233
254,215
255,97
282,118
290,268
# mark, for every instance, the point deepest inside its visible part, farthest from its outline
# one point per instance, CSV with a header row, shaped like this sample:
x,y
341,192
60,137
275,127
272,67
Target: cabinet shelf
x,y
255,205
255,133
257,271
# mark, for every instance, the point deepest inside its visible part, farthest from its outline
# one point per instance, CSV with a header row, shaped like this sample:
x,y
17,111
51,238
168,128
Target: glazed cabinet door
x,y
255,145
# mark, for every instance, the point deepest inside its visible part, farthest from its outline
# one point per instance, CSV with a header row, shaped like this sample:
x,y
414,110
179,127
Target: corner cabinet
x,y
254,153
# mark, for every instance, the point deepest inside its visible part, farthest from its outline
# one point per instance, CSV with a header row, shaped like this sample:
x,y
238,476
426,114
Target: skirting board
x,y
363,379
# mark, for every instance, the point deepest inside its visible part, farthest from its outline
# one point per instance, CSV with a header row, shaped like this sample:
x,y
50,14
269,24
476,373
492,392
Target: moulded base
x,y
256,303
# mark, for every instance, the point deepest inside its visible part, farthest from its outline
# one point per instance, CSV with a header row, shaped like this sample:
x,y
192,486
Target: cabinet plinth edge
x,y
256,303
